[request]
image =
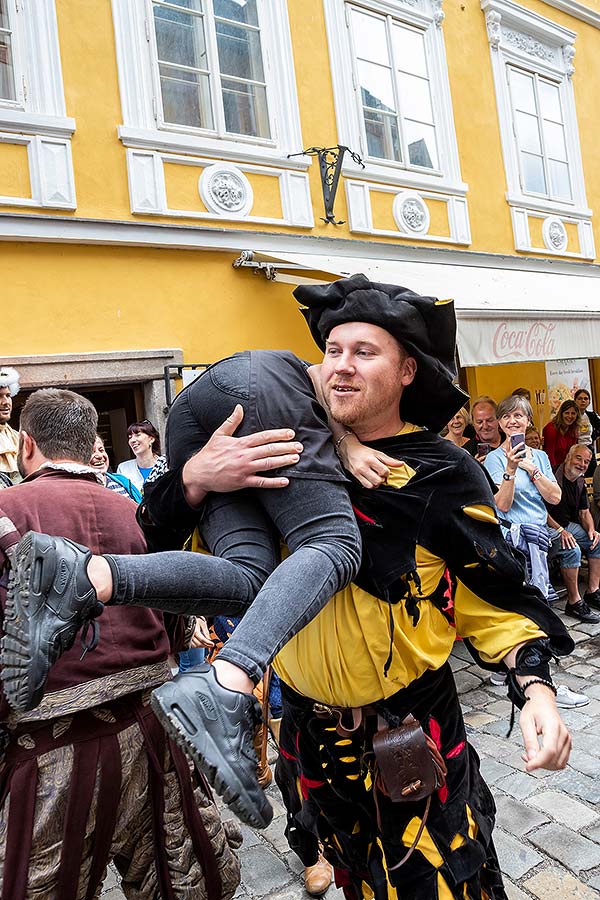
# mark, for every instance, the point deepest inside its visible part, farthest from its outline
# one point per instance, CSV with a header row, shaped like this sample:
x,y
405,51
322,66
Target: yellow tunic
x,y
339,657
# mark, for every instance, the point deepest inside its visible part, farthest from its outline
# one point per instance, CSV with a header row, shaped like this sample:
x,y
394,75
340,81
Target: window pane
x,y
370,39
522,92
550,101
528,132
422,149
7,78
187,4
554,140
237,10
409,51
185,98
376,87
415,99
239,52
245,107
382,136
533,173
4,22
180,38
559,179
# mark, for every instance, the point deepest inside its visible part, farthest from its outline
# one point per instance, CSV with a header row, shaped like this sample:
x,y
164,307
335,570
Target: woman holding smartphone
x,y
525,480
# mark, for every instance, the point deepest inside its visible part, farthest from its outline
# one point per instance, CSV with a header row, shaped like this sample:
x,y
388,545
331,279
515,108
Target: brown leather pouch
x,y
409,764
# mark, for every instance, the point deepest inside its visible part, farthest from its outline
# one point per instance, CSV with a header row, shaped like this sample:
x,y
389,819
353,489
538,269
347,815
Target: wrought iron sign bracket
x,y
330,166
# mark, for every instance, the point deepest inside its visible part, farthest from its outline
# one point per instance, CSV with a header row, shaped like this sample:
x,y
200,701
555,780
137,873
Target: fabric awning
x,y
504,315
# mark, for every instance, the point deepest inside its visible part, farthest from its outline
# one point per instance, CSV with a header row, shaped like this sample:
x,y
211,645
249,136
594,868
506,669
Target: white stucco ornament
x,y
225,190
554,234
410,213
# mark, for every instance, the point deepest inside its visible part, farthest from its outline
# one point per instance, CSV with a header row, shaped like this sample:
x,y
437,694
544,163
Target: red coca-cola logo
x,y
535,342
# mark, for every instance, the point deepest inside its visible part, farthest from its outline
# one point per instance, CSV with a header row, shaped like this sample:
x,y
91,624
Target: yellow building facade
x,y
148,145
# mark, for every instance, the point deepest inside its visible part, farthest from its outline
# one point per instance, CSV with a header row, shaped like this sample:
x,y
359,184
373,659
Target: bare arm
x,y
548,488
567,540
540,717
587,523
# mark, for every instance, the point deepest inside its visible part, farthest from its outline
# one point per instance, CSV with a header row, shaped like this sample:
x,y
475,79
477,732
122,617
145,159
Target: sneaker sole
x,y
571,705
230,789
17,659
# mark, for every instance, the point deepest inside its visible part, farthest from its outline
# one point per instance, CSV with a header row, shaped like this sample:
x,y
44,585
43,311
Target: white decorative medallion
x,y
225,190
554,234
410,213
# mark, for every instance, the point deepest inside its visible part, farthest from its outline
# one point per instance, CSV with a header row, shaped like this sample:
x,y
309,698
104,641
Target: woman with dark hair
x,y
144,440
589,427
562,432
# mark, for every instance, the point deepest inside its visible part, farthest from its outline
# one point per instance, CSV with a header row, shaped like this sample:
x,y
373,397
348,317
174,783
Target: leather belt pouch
x,y
405,762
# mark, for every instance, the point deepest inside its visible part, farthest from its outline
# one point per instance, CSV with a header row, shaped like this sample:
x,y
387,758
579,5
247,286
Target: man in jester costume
x,y
379,650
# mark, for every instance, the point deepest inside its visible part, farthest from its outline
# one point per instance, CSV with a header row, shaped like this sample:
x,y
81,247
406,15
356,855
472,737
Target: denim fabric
x,y
190,658
313,517
571,558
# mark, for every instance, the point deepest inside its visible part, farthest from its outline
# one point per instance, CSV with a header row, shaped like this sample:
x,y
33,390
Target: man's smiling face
x,y
364,372
5,405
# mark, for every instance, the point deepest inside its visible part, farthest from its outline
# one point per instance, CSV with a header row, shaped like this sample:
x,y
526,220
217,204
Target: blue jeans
x,y
244,576
190,658
571,558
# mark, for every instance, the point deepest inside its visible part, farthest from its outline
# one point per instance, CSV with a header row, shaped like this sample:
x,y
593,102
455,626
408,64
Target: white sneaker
x,y
498,679
567,699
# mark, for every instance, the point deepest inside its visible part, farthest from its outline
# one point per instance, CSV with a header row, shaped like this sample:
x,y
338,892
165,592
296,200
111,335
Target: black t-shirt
x,y
571,504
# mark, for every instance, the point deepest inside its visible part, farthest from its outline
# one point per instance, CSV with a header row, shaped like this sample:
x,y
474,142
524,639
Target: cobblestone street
x,y
548,824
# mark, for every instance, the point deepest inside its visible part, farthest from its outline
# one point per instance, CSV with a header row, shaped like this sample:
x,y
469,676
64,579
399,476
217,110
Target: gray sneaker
x,y
568,699
215,727
49,598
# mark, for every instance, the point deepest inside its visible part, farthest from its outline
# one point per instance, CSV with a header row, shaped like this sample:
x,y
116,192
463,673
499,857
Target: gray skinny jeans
x,y
242,530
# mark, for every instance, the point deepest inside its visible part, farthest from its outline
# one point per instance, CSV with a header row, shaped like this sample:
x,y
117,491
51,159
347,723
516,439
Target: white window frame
x,y
522,39
425,16
40,104
18,102
218,132
140,92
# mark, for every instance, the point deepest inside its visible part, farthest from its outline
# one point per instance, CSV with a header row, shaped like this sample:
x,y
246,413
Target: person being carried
x,y
313,516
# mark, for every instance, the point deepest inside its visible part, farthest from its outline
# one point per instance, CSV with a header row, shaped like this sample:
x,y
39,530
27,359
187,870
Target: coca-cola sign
x,y
534,341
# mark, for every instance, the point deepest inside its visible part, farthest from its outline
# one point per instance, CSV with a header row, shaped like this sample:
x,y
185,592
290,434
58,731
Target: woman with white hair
x,y
9,438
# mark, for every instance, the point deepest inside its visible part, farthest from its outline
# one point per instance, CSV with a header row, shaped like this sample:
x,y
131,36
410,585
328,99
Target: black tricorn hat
x,y
425,326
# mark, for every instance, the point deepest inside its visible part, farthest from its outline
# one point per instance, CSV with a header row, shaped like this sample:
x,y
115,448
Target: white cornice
x,y
577,11
54,229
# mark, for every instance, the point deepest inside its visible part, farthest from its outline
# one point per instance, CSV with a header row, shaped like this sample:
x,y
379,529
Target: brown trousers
x,y
106,785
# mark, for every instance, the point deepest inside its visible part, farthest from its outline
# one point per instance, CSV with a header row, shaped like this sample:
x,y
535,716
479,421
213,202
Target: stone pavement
x,y
548,824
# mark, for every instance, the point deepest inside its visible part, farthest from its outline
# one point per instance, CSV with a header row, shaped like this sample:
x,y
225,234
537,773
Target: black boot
x,y
49,598
215,726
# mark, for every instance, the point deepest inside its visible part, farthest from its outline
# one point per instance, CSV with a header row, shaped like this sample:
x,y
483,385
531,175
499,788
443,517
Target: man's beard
x,y
20,464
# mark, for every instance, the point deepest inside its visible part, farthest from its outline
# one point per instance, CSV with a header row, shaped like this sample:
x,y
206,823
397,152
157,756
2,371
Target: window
x,y
391,71
209,77
210,66
532,62
540,135
392,92
7,66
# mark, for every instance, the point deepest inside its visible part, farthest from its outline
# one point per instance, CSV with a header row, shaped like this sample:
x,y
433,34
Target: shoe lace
x,y
95,626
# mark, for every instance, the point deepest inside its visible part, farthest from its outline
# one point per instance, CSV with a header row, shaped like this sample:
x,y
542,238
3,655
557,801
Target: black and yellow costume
x,y
385,641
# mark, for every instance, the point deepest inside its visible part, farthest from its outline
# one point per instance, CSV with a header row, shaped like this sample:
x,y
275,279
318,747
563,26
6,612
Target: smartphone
x,y
516,439
483,449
